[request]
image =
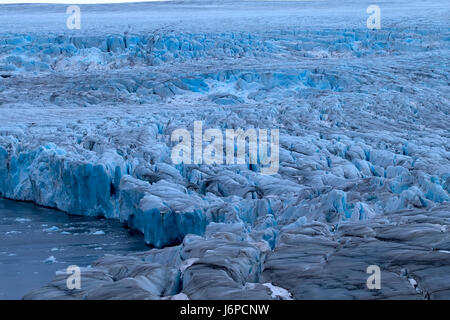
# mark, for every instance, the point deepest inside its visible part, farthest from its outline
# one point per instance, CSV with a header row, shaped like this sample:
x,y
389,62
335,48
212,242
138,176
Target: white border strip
x,y
74,1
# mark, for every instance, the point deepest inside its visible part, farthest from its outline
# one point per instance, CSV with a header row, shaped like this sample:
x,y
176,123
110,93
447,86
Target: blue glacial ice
x,y
86,118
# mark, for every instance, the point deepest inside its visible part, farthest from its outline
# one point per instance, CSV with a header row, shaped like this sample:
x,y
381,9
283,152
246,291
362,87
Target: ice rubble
x,y
310,262
86,119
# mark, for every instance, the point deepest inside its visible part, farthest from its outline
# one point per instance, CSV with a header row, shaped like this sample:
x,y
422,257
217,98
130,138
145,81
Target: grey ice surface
x,y
364,176
412,249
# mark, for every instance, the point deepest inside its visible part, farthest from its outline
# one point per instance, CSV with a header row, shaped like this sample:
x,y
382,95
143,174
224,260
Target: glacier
x,y
364,175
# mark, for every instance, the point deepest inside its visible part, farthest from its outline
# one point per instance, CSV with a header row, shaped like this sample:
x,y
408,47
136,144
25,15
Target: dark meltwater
x,y
35,242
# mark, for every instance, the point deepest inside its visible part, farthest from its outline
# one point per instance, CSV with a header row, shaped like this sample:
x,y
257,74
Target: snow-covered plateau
x,y
86,118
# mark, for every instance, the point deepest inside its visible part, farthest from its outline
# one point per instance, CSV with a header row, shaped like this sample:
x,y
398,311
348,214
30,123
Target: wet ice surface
x,y
86,118
30,236
310,262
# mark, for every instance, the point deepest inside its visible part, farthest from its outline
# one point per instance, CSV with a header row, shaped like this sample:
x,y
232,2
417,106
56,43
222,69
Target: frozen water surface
x,y
364,178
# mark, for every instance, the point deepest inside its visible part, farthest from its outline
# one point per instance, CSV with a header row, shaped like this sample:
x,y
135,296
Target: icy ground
x,y
86,117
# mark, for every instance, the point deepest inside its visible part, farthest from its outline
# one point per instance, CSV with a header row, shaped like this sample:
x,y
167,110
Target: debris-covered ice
x,y
86,118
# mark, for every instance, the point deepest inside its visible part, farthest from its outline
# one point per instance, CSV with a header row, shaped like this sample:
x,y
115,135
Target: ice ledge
x,y
164,212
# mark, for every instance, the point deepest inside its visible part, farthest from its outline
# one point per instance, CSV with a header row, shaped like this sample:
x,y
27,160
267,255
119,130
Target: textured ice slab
x,y
310,262
86,118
